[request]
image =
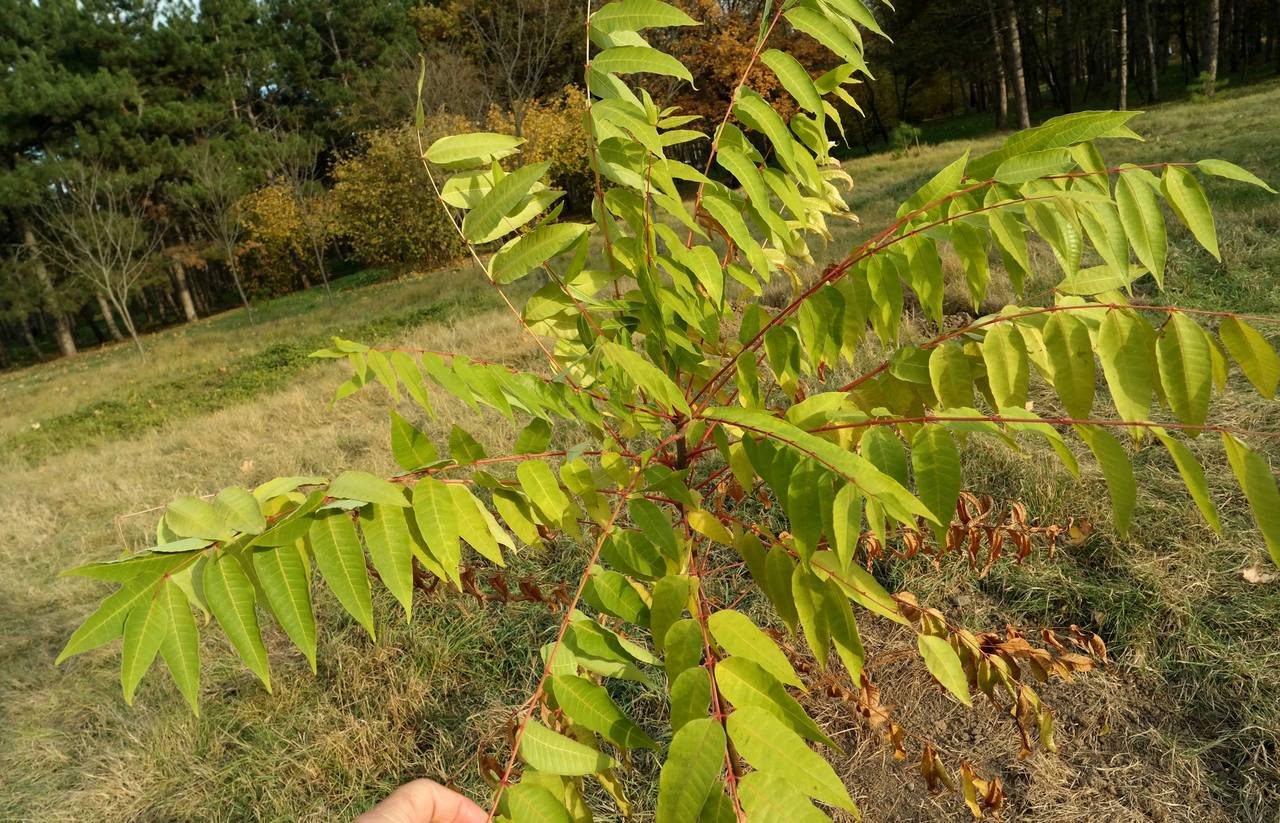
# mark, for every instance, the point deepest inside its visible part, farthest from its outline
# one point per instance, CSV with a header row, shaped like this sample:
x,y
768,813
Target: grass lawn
x,y
1185,726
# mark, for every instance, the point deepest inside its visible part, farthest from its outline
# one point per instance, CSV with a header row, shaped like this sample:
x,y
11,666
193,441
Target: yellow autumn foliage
x,y
277,256
385,208
553,130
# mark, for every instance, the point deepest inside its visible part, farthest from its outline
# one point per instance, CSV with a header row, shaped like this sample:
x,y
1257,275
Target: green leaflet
x,y
1142,220
531,803
1005,354
729,215
485,222
794,79
144,630
634,15
744,683
935,461
944,664
613,594
551,752
779,569
870,480
1062,131
1223,168
1070,353
230,596
1193,477
148,565
353,485
846,523
381,368
951,376
464,151
636,59
671,596
646,377
718,809
181,646
690,697
1187,199
691,771
1098,279
766,796
655,526
433,512
769,746
861,587
390,542
802,500
239,511
192,517
410,447
106,623
590,705
529,251
1182,354
284,582
939,186
338,555
1118,472
1259,486
1035,164
814,600
737,635
1253,353
708,525
1126,349
475,525
857,11
540,484
819,28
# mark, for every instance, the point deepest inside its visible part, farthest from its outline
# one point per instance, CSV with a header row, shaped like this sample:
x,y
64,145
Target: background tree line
x,y
163,161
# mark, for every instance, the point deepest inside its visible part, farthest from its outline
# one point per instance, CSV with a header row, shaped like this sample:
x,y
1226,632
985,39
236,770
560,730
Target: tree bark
x,y
105,308
178,274
1148,34
1066,56
1002,82
25,323
1124,55
122,308
61,326
1015,63
1212,26
86,316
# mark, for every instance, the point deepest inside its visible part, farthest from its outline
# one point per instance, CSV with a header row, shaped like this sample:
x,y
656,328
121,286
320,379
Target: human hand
x,y
424,801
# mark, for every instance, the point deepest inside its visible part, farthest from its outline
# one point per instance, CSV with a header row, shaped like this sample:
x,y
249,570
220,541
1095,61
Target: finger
x,y
424,801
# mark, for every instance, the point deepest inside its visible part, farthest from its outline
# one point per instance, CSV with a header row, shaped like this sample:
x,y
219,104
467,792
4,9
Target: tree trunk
x,y
1148,34
122,307
178,275
1190,57
61,327
235,275
25,323
1002,82
1212,26
86,316
1015,63
105,308
1066,56
1124,55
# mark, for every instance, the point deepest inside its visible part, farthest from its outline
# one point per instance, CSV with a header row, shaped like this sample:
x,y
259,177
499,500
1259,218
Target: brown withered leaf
x,y
1258,575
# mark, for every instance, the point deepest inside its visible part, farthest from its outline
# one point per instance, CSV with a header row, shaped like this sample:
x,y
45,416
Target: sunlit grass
x,y
1185,727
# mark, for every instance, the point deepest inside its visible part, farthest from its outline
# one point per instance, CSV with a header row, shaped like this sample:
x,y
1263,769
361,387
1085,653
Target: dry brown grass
x,y
1185,727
